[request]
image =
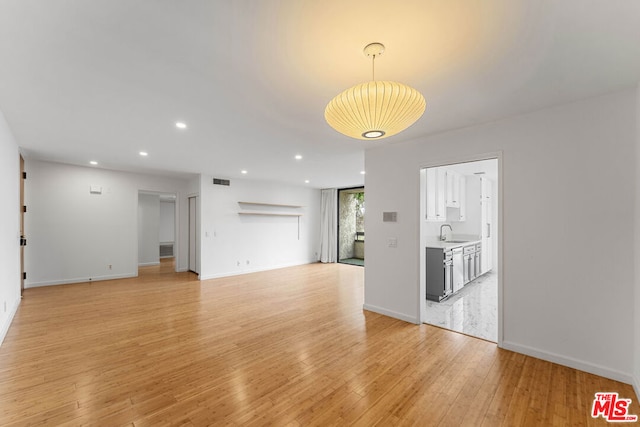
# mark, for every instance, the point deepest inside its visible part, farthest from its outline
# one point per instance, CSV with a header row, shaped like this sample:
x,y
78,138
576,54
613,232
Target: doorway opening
x,y
351,211
459,247
194,261
157,234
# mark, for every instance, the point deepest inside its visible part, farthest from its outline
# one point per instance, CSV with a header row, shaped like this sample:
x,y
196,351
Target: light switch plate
x,y
392,242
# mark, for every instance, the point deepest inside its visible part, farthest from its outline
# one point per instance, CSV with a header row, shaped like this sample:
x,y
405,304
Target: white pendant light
x,y
375,109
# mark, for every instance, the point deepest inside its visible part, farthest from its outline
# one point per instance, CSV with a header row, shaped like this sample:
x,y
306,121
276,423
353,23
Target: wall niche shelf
x,y
261,205
270,213
275,205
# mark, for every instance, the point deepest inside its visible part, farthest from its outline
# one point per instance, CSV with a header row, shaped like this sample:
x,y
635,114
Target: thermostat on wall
x,y
95,189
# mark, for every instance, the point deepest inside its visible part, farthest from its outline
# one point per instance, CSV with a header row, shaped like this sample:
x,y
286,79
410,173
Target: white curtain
x,y
329,225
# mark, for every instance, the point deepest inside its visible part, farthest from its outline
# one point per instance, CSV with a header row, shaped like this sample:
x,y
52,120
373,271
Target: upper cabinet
x,y
462,197
436,195
453,189
486,224
446,189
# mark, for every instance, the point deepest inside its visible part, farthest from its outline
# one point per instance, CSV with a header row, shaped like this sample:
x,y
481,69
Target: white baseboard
x,y
580,365
636,387
148,264
390,313
28,285
252,270
12,312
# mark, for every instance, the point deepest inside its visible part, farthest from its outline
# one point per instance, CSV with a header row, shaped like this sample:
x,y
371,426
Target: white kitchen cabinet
x,y
486,225
436,195
463,199
456,197
453,189
460,214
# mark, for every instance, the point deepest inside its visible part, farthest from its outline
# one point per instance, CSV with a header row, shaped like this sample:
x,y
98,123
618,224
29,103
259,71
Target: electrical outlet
x,y
247,262
238,263
110,266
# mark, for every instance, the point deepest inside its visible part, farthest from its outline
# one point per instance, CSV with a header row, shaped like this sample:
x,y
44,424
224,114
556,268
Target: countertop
x,y
449,245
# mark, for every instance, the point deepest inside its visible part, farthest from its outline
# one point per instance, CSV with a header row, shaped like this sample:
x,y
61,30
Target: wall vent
x,y
390,216
218,181
166,250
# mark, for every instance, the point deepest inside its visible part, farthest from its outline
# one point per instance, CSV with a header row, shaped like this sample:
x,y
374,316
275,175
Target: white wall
x,y
568,260
148,229
75,236
636,333
9,227
167,221
228,239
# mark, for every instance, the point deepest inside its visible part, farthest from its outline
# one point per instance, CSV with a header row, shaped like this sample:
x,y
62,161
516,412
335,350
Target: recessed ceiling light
x,y
93,162
298,157
306,181
144,153
181,125
243,172
362,172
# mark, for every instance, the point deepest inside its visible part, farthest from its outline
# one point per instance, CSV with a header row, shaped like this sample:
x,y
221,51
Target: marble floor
x,y
472,311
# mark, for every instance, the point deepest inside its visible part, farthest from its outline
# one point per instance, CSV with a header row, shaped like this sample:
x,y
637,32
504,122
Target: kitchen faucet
x,y
443,238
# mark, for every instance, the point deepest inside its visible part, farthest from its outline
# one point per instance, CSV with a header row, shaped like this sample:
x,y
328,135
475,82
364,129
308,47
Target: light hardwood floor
x,y
283,347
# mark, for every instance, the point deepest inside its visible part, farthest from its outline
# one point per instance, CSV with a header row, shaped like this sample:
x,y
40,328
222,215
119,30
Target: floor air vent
x,y
166,250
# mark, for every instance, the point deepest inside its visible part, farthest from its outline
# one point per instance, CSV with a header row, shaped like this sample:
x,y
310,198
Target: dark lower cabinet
x,y
439,274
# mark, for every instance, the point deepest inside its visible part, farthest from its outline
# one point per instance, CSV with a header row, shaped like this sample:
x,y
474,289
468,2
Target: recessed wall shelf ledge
x,y
269,213
270,204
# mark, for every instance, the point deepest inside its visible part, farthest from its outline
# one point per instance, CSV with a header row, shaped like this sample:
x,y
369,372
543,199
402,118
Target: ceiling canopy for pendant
x,y
375,109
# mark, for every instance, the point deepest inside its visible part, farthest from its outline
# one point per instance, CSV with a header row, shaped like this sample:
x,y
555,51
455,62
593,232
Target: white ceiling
x,y
103,79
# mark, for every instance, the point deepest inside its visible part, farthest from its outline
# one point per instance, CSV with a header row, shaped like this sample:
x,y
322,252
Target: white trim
x,y
7,324
147,264
253,270
449,161
571,362
636,387
391,313
78,280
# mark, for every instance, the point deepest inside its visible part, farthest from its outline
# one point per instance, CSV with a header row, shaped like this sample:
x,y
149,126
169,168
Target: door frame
x,y
22,231
196,249
176,226
497,155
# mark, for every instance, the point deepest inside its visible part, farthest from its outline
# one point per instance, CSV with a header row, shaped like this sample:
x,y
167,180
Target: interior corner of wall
x,y
4,328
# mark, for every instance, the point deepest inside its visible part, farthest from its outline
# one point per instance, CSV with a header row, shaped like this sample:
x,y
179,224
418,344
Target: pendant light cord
x,y
373,68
